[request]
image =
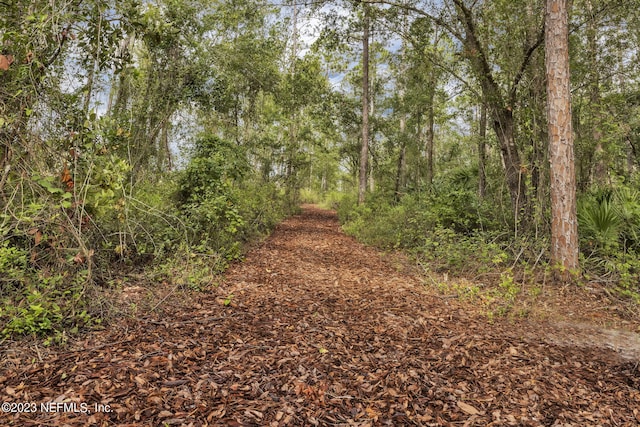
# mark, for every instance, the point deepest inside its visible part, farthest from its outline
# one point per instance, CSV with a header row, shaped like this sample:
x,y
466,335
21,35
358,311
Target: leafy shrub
x,y
332,200
218,203
45,305
13,265
308,195
609,224
430,227
61,242
215,165
149,224
599,221
262,206
609,219
45,259
628,210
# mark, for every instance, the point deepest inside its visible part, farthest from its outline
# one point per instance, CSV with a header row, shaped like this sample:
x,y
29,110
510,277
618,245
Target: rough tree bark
x,y
564,224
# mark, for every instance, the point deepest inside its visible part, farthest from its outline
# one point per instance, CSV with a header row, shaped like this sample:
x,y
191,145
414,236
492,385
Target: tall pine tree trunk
x,y
564,224
291,193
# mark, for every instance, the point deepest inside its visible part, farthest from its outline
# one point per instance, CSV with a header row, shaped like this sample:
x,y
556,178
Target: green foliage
x,y
45,306
207,197
610,220
262,206
427,228
227,300
508,288
44,264
332,200
106,183
144,225
214,166
600,223
628,210
219,206
308,195
189,269
610,227
13,264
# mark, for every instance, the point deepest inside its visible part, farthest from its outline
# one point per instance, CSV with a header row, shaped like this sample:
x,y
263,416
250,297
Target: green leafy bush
x,y
214,166
61,243
45,305
609,220
332,200
609,225
219,204
434,228
13,265
599,222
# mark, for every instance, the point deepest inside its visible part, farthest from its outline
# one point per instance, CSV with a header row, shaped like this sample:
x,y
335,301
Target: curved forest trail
x,y
317,329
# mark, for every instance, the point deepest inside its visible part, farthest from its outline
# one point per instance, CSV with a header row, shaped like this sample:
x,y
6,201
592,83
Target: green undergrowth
x,y
64,248
497,297
454,234
326,200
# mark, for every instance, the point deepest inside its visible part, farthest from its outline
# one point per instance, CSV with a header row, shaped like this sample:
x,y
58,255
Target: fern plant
x,y
628,210
599,222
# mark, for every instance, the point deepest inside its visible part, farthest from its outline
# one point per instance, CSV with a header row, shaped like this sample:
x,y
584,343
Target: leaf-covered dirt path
x,y
320,330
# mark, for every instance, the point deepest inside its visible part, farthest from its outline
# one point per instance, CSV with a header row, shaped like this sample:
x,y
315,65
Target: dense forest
x,y
158,138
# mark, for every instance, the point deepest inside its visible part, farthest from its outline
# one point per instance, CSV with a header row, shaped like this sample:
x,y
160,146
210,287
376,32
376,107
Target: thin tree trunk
x,y
294,36
372,105
429,137
164,141
401,170
371,181
95,65
598,167
364,152
89,87
564,224
402,163
293,130
482,155
122,94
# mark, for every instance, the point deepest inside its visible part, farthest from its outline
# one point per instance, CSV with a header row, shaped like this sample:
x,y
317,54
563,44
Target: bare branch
x,y
58,49
525,63
455,74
